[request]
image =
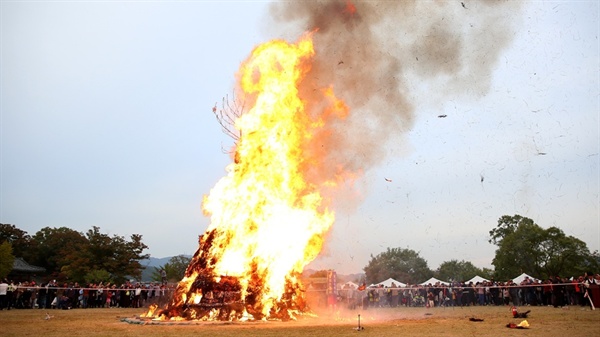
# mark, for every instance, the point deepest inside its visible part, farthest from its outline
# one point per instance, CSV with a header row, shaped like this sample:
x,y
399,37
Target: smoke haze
x,y
384,57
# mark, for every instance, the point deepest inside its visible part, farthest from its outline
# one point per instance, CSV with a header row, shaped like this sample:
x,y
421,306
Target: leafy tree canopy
x,y
98,276
507,225
523,246
19,239
455,270
70,255
6,259
404,265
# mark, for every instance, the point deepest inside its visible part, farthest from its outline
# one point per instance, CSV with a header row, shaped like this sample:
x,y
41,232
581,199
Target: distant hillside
x,y
152,262
155,262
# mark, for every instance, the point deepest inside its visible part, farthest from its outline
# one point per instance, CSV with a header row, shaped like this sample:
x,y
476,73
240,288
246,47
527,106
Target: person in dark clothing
x,y
50,294
41,298
589,280
3,292
557,293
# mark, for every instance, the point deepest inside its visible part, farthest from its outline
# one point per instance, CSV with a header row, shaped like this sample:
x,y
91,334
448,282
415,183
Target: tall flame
x,y
268,218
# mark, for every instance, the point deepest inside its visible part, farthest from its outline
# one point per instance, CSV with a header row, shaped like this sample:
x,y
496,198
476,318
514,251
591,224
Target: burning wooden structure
x,y
209,296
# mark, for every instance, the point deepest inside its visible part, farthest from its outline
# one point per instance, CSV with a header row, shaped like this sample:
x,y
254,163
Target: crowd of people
x,y
51,295
554,291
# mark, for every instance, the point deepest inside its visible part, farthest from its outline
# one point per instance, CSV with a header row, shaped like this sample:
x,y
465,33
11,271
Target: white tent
x,y
433,281
349,285
388,283
520,278
476,279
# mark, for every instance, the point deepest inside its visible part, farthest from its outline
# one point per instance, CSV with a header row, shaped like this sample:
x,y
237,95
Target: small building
x,y
23,271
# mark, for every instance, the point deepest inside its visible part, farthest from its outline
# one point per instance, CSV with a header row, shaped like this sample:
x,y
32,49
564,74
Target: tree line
x,y
522,247
73,256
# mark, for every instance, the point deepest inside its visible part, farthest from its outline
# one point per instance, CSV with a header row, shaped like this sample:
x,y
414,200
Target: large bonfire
x,y
267,218
298,143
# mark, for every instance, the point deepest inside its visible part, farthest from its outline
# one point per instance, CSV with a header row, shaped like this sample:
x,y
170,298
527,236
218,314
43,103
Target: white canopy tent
x,y
388,283
433,281
476,279
349,285
520,278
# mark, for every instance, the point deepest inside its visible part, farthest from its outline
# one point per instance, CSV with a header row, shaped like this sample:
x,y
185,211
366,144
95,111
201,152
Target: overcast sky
x,y
106,121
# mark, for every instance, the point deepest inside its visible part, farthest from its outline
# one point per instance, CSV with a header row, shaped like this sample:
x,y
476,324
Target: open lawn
x,y
544,322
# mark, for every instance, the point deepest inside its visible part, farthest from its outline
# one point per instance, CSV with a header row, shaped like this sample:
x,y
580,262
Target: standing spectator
x,y
114,298
10,294
506,295
538,293
135,303
495,291
99,296
34,293
589,280
394,294
430,298
41,296
547,299
480,293
24,299
163,276
73,295
108,295
458,292
557,293
3,294
85,296
514,294
124,296
50,294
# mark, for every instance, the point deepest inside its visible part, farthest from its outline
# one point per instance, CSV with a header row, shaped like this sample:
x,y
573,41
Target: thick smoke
x,y
384,57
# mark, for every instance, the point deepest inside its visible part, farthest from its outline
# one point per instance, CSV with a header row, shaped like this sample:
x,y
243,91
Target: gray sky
x,y
106,121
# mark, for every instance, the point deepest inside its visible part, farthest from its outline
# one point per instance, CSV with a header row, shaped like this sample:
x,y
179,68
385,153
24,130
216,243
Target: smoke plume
x,y
382,57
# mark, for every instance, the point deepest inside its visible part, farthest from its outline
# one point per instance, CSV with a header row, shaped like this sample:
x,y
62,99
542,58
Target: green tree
x,y
6,259
60,251
175,269
457,270
507,225
100,249
127,257
97,276
487,273
527,247
564,255
116,255
404,265
19,240
68,254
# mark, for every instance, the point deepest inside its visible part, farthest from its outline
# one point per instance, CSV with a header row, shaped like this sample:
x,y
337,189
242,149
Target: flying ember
x,y
268,216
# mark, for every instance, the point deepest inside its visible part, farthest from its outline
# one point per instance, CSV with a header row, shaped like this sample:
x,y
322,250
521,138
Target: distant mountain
x,y
155,262
150,263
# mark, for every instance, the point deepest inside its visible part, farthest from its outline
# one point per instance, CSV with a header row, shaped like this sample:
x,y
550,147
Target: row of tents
x,y
432,281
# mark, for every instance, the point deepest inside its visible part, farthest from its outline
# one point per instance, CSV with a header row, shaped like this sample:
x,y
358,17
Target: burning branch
x,y
229,112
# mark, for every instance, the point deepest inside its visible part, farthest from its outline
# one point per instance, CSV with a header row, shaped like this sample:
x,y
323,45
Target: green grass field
x,y
544,322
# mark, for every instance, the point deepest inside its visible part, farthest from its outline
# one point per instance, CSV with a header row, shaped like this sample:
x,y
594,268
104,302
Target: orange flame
x,y
267,217
350,8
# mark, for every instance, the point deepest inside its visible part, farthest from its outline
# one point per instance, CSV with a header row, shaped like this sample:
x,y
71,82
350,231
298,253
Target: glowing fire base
x,y
205,296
